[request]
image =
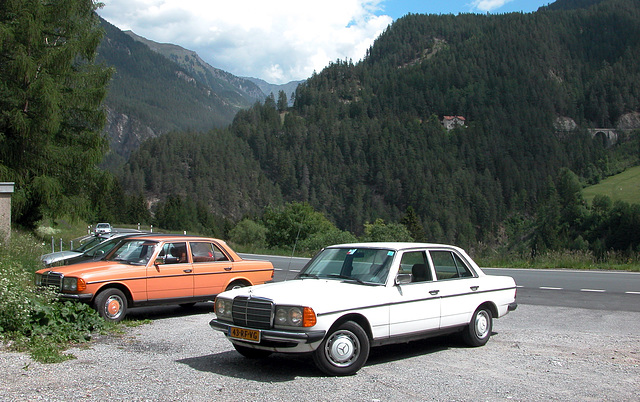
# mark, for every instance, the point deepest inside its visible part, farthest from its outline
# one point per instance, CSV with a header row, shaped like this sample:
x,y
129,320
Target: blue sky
x,y
280,40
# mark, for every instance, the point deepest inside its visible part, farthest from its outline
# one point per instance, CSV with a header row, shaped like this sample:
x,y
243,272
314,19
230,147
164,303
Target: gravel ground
x,y
536,353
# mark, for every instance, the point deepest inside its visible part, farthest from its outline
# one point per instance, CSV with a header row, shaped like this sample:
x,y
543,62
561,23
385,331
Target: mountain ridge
x,y
160,88
242,90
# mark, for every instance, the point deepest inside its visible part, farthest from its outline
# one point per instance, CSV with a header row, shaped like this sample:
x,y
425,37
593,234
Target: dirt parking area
x,y
535,353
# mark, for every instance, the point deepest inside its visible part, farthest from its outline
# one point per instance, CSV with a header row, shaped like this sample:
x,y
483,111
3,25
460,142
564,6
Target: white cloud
x,y
277,41
489,5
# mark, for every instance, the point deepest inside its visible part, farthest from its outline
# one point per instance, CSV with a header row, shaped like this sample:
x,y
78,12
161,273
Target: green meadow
x,y
624,187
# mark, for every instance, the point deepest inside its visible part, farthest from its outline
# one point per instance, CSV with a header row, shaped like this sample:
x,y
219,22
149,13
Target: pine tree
x,y
50,105
282,101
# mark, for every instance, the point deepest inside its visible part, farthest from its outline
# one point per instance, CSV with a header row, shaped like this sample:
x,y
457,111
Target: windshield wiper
x,y
340,276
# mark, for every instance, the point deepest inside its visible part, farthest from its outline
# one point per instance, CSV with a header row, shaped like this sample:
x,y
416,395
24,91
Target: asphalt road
x,y
607,290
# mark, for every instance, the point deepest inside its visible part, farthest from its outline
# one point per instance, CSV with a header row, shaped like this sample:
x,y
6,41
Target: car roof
x,y
170,236
393,245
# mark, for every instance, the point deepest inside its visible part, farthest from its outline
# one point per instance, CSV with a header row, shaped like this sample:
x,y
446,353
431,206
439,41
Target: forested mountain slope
x,y
150,94
243,92
365,141
214,169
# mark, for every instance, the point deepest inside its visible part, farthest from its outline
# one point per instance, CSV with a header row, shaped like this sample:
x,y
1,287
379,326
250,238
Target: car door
x,y
415,306
457,287
170,276
211,266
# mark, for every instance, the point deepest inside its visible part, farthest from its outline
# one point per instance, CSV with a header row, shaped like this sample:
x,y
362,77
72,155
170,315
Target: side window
x,y
449,266
463,270
174,253
415,263
444,265
206,252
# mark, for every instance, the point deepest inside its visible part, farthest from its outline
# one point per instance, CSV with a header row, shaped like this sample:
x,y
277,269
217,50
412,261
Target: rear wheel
x,y
251,353
478,331
111,304
236,285
343,351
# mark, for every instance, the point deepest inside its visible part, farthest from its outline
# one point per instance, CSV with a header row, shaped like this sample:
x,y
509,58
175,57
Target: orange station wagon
x,y
155,269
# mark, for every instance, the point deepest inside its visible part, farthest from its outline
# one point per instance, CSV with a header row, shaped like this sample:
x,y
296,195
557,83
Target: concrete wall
x,y
6,191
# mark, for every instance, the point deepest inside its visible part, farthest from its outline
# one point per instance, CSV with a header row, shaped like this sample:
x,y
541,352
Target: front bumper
x,y
513,306
274,337
76,296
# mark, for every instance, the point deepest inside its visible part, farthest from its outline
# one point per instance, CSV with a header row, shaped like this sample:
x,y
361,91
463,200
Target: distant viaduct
x,y
608,136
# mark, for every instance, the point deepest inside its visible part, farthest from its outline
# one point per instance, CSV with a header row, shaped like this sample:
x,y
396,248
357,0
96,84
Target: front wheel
x,y
111,304
343,351
478,331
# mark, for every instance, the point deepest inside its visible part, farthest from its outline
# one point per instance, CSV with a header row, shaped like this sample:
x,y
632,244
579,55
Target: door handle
x,y
434,292
474,288
188,271
227,268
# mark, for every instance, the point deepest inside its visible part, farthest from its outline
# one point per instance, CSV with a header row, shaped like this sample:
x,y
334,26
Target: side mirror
x,y
402,279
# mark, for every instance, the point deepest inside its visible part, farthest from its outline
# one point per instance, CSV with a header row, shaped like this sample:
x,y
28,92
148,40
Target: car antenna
x,y
292,253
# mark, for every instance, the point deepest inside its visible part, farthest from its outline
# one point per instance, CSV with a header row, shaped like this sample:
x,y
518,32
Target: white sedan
x,y
351,297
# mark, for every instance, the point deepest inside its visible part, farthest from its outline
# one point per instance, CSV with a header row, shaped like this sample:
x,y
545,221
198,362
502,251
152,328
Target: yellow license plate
x,y
250,335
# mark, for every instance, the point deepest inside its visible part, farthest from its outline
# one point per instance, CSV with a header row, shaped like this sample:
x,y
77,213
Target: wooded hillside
x,y
365,141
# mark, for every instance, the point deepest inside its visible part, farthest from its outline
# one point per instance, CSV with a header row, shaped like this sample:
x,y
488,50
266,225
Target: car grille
x,y
53,279
252,312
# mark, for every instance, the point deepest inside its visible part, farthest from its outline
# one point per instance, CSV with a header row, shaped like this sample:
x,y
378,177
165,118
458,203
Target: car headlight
x,y
222,308
294,316
73,284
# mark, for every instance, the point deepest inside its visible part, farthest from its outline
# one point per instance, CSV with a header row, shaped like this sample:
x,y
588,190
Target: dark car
x,y
98,251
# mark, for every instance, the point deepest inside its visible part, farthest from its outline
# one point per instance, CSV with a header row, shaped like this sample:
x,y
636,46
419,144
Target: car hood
x,y
323,295
58,255
89,270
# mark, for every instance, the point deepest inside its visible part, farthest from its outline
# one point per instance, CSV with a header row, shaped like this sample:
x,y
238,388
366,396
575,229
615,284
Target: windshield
x,y
363,265
134,251
103,248
89,243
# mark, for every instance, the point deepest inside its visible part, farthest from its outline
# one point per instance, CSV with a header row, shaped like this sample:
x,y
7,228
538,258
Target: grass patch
x,y
612,261
624,186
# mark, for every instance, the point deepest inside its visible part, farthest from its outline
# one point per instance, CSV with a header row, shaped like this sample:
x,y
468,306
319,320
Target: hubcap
x,y
113,306
482,324
342,348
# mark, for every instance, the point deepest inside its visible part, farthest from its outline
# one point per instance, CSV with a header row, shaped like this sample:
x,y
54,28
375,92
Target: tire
x,y
236,285
343,351
251,353
111,304
478,332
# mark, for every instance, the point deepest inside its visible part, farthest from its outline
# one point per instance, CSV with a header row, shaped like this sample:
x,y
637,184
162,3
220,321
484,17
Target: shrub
x,y
33,319
294,222
322,239
249,233
381,231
